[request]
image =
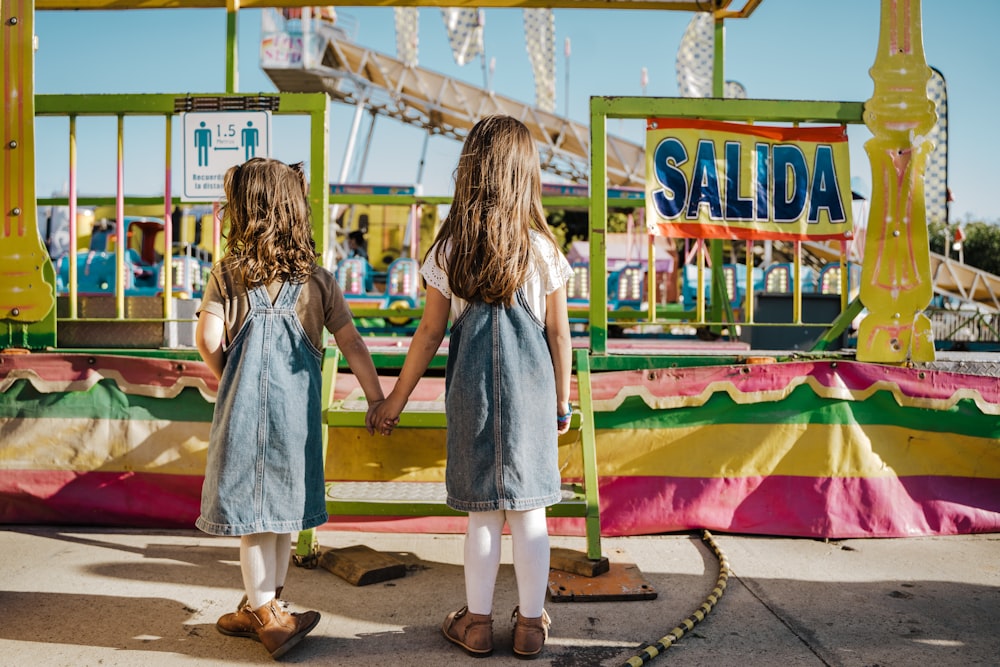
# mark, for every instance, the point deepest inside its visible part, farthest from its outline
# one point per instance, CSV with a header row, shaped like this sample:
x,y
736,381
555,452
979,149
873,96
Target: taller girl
x,y
495,269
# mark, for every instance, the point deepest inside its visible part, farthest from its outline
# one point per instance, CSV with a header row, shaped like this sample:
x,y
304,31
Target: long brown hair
x,y
270,233
498,201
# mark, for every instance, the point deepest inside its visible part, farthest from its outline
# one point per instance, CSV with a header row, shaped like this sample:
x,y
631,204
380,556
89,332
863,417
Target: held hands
x,y
372,406
383,416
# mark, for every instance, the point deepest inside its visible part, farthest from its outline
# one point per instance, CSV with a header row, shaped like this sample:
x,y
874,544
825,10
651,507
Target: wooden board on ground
x,y
576,562
361,565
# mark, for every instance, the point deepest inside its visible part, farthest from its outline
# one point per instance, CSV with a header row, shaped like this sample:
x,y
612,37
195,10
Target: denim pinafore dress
x,y
500,403
264,471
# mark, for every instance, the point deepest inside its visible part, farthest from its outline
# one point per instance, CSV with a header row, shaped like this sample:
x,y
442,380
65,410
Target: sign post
x,y
214,141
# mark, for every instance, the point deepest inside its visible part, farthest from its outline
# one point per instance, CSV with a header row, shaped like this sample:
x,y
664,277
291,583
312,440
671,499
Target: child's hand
x,y
369,423
563,418
383,416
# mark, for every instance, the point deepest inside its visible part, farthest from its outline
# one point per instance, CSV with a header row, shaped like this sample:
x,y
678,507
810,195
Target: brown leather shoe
x,y
278,630
238,623
530,633
473,632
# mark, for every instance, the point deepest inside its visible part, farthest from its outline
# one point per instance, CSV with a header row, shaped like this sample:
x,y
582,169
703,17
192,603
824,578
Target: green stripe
x,y
803,406
105,400
102,401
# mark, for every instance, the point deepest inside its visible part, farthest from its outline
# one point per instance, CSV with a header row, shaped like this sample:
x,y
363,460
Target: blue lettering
x,y
705,183
781,189
763,181
668,201
791,179
825,191
737,208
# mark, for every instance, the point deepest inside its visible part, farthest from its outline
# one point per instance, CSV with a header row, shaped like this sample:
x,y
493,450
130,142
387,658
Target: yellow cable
x,y
672,637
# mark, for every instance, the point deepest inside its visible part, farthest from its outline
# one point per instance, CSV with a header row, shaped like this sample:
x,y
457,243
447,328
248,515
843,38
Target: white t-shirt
x,y
550,271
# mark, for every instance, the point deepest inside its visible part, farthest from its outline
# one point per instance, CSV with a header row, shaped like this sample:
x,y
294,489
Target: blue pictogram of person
x,y
202,141
249,138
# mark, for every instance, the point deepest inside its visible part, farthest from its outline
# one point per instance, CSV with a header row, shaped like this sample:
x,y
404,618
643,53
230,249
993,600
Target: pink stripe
x,y
836,375
802,506
794,506
75,367
99,498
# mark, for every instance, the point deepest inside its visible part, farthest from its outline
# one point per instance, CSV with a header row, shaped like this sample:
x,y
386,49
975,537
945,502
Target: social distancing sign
x,y
214,141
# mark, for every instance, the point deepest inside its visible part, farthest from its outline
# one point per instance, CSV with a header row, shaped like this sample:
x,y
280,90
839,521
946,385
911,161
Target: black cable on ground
x,y
647,654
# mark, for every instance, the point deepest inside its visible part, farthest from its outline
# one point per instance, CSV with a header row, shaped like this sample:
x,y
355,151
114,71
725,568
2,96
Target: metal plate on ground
x,y
622,582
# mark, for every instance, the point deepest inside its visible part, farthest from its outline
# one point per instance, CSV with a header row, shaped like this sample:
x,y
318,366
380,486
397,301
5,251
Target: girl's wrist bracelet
x,y
562,419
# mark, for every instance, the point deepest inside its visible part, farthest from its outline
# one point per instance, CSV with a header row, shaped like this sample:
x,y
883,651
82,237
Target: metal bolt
x,y
12,143
13,20
15,311
895,232
15,211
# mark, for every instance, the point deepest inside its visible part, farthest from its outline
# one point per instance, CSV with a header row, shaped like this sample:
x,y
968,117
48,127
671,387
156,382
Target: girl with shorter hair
x,y
261,331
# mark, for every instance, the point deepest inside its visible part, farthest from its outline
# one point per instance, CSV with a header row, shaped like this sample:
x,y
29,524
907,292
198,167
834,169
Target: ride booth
x,y
884,440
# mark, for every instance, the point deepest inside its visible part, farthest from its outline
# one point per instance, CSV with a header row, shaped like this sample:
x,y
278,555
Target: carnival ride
x,y
383,85
880,440
145,273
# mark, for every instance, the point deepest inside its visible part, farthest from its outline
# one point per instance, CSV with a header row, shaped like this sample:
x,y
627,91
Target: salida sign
x,y
711,179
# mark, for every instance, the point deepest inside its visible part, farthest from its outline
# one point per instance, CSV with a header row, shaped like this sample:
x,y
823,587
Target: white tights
x,y
530,540
264,561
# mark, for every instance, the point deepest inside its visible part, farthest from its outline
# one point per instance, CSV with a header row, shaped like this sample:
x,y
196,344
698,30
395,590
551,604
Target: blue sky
x,y
788,49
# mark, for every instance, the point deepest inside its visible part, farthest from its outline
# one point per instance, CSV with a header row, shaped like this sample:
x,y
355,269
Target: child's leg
x,y
530,536
282,557
258,566
482,559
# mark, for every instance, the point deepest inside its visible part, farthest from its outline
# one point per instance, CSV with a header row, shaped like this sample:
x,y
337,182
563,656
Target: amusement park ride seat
x,y
780,279
415,499
402,279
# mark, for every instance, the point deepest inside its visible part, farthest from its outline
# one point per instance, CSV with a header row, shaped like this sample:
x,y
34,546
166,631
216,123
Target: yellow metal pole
x,y
700,263
844,297
167,270
27,299
896,285
121,240
74,285
651,277
748,308
797,284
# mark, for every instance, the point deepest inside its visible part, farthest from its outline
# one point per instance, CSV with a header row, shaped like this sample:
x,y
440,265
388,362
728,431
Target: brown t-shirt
x,y
321,303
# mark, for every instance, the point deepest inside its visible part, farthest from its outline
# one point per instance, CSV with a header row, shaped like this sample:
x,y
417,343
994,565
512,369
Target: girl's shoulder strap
x,y
258,297
288,295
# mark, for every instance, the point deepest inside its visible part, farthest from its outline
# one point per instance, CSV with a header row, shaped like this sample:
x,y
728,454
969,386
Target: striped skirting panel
x,y
809,448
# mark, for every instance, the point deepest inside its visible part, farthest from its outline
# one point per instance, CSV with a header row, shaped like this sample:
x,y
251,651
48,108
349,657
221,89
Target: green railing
x,y
169,107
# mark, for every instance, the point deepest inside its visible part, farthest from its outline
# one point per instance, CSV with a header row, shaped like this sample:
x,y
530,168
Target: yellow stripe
x,y
804,450
714,451
728,450
108,445
409,455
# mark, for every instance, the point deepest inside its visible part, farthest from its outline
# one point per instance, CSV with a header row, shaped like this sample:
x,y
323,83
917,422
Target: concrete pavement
x,y
86,596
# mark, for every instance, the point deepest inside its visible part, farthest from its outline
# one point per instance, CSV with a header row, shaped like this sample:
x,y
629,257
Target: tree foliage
x,y
980,247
